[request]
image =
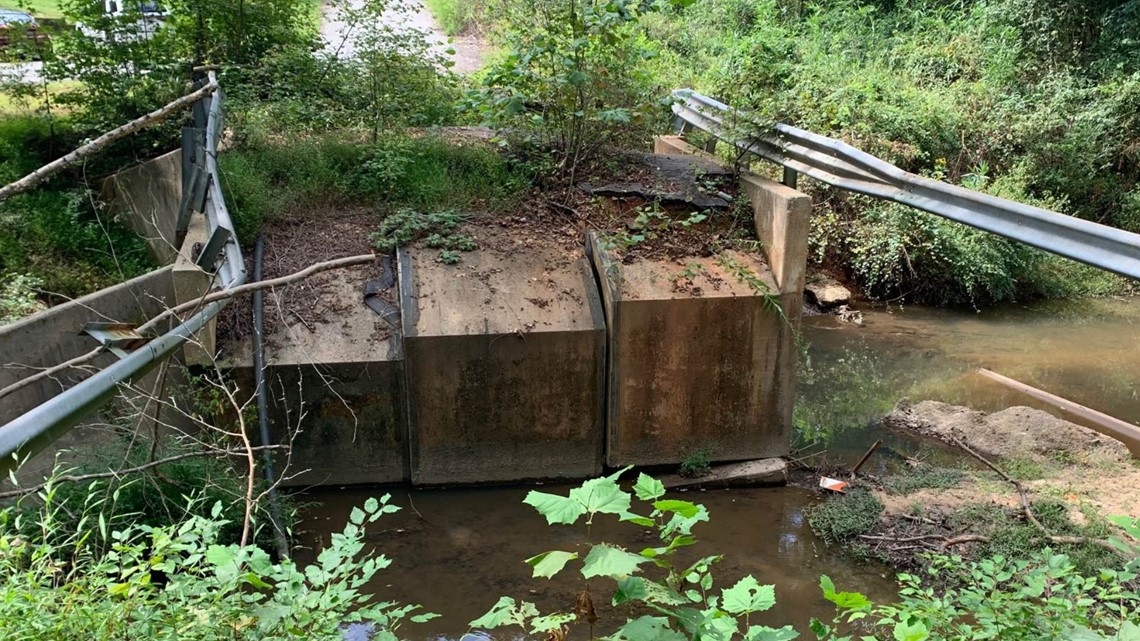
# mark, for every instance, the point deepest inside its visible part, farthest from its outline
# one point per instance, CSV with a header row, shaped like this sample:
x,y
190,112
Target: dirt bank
x,y
1026,480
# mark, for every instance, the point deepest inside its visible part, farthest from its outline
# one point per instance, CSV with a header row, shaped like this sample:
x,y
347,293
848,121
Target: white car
x,y
132,21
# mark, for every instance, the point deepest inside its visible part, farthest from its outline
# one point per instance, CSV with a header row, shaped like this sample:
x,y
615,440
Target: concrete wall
x,y
146,198
53,336
504,366
691,369
335,389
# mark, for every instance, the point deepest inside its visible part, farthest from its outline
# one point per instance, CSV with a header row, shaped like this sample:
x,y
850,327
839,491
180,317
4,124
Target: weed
x,y
845,516
926,476
1023,469
697,463
436,229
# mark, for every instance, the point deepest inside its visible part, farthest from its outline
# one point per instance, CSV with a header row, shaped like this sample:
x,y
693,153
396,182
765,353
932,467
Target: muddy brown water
x,y
459,550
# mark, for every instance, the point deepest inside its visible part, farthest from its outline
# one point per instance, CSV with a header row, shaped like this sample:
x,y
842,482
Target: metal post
x,y
790,177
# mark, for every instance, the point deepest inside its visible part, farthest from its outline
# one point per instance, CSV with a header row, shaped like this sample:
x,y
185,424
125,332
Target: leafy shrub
x,y
436,229
845,516
180,581
1041,597
571,78
18,297
674,601
696,464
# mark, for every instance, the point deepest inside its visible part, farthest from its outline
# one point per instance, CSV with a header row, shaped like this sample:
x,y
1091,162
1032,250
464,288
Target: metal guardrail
x,y
841,165
37,428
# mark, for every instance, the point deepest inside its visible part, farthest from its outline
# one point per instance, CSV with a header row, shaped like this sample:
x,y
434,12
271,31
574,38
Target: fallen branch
x,y
1020,489
93,147
195,304
79,478
337,263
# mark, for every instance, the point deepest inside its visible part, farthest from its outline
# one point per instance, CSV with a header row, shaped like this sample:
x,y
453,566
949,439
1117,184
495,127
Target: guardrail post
x,y
791,176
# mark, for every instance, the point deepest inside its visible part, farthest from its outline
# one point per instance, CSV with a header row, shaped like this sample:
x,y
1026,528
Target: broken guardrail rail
x,y
838,164
34,430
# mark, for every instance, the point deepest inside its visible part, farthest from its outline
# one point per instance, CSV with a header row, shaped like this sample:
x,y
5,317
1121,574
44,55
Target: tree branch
x,y
93,147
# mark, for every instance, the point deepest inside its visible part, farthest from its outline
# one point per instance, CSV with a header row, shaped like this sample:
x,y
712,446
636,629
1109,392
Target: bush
x,y
843,517
1031,100
1040,597
179,581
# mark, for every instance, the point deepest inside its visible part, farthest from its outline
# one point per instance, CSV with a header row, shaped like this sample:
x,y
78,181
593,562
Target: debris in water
x,y
835,485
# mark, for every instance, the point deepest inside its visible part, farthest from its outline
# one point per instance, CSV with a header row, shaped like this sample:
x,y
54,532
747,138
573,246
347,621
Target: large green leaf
x,y
548,564
648,488
557,509
764,633
913,630
748,596
648,628
604,560
506,612
684,508
602,496
630,589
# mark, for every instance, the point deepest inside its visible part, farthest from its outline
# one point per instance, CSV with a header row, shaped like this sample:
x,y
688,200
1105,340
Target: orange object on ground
x,y
835,485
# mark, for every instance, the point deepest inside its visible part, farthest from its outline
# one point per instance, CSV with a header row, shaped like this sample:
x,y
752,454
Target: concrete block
x,y
707,365
783,218
768,471
146,197
676,145
336,392
504,366
191,283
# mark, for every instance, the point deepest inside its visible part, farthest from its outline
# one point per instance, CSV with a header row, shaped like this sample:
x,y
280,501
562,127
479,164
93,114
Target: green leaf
x,y
748,596
630,589
220,555
551,622
506,612
613,562
371,505
684,508
556,509
842,600
648,628
424,618
648,488
356,516
630,517
764,633
910,631
602,496
548,564
1128,632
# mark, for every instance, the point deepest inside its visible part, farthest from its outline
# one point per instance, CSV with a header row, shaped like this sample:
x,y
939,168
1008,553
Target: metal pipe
x,y
263,397
1122,431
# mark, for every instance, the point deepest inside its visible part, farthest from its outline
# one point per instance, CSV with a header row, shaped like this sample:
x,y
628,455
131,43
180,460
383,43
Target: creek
x,y
456,551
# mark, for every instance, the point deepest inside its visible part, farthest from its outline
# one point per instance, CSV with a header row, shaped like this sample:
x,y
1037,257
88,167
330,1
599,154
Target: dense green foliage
x,y
1033,100
1040,597
128,581
270,179
843,517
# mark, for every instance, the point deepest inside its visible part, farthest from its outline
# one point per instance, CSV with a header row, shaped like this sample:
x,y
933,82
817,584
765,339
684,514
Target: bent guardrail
x,y
220,255
838,164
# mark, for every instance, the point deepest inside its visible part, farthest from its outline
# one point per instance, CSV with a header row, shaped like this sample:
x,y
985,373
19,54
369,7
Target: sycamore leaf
x,y
907,631
648,628
764,633
548,564
648,488
630,589
602,496
748,596
684,508
556,509
506,612
616,563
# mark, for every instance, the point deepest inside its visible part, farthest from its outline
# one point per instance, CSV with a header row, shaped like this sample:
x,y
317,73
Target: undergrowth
x,y
845,516
270,179
437,230
925,477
